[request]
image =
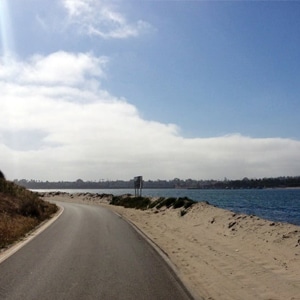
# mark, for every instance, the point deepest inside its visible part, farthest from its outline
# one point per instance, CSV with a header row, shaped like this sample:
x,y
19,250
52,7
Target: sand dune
x,y
219,254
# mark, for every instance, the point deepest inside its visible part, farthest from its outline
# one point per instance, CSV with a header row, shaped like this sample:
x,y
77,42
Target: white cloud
x,y
78,7
101,18
57,123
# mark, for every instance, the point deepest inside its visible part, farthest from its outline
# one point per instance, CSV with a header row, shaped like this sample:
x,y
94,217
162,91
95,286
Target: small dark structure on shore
x,y
138,186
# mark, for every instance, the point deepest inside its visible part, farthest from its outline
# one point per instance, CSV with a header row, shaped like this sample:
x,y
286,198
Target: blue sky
x,y
196,89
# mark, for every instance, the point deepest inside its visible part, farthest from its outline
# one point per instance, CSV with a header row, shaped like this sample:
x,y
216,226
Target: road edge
x,y
163,254
12,249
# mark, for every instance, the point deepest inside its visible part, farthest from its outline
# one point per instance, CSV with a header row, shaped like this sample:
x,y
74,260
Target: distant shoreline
x,y
263,183
166,188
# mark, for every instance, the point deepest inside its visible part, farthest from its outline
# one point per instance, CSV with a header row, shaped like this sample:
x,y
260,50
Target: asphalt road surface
x,y
88,253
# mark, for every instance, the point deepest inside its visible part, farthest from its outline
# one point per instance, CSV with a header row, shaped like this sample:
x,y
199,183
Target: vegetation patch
x,y
167,202
175,202
156,202
143,203
183,212
131,202
20,211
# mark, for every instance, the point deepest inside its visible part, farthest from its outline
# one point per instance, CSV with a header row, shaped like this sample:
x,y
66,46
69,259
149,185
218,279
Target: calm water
x,y
273,204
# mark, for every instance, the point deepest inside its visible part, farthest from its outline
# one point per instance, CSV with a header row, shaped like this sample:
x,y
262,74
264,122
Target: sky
x,y
112,89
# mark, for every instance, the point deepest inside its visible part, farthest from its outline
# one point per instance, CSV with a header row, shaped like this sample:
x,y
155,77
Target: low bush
x,y
143,203
168,202
179,203
131,202
156,202
20,211
175,203
14,227
188,203
183,212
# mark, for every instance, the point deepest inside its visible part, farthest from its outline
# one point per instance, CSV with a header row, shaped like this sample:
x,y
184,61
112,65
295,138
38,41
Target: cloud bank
x,y
58,123
101,18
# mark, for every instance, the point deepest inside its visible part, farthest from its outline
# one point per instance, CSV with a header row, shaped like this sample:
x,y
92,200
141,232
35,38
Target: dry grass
x,y
20,211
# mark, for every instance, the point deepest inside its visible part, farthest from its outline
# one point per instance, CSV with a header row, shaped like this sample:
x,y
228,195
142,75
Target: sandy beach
x,y
219,254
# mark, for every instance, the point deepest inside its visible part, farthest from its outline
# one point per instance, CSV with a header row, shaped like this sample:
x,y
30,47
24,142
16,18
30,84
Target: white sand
x,y
219,254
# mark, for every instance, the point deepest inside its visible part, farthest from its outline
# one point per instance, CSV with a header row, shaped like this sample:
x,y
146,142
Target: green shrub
x,y
179,203
143,203
2,175
156,202
168,202
189,203
131,202
183,212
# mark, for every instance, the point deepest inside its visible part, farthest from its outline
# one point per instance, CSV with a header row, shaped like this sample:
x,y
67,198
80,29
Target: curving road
x,y
88,253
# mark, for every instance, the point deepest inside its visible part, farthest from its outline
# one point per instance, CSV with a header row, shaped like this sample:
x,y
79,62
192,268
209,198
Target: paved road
x,y
88,253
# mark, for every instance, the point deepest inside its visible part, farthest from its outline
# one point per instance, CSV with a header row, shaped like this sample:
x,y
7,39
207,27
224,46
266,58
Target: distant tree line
x,y
279,182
